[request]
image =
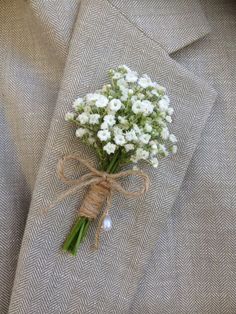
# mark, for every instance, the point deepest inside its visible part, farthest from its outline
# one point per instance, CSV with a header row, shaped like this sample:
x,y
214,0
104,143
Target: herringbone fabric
x,y
169,252
31,67
193,265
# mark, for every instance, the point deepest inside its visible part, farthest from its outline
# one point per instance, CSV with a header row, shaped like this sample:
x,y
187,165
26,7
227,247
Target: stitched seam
x,y
137,27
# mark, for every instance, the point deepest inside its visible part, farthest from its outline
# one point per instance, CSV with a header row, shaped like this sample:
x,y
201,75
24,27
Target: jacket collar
x,y
108,279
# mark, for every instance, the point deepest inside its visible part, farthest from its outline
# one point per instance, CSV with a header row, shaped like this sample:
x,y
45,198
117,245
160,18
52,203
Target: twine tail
x,y
99,227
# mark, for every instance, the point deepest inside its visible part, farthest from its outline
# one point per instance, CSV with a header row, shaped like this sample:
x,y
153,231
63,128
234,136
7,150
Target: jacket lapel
x,y
172,24
104,281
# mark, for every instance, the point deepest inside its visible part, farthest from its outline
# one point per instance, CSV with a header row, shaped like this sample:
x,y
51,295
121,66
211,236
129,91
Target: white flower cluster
x,y
130,115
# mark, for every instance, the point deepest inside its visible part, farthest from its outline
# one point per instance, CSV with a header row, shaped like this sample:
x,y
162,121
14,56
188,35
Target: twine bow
x,y
99,179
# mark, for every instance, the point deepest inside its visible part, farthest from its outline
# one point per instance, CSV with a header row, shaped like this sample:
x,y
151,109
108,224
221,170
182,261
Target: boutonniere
x,y
125,122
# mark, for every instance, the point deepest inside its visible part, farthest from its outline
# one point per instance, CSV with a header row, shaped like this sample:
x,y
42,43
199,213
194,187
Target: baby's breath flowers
x,y
126,121
130,116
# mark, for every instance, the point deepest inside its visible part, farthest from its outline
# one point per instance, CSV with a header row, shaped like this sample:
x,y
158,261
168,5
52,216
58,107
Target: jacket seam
x,y
136,26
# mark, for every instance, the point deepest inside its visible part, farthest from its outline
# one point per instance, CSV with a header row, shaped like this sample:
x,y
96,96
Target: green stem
x,y
77,244
112,165
73,234
79,230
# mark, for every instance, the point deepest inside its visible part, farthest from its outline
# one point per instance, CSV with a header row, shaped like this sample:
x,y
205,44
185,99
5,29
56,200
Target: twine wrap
x,y
102,185
94,200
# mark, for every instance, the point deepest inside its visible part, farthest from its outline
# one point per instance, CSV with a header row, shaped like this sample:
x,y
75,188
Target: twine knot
x,y
102,185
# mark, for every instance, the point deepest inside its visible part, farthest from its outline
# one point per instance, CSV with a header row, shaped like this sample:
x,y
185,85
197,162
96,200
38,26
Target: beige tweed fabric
x,y
193,266
171,251
31,67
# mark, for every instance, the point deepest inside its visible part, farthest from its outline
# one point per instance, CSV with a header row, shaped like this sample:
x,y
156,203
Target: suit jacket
x,y
173,250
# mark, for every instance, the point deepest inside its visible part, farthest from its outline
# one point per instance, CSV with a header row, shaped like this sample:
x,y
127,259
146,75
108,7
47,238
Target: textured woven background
x,y
170,252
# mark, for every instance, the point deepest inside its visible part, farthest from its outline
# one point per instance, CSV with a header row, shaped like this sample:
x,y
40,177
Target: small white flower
x,y
174,149
119,139
172,138
141,154
109,148
153,145
80,132
109,119
104,126
166,98
83,118
130,92
124,67
134,98
123,120
161,122
154,92
131,136
106,87
154,151
168,119
117,130
129,147
115,104
162,148
122,83
94,118
165,133
145,138
170,111
144,81
153,154
92,97
154,162
155,85
117,75
136,129
147,107
131,77
101,102
125,93
104,135
77,104
69,116
137,107
148,127
163,105
141,96
161,88
87,108
124,97
124,88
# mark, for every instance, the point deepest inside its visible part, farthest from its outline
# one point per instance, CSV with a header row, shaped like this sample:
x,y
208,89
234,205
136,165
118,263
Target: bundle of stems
x,y
81,226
